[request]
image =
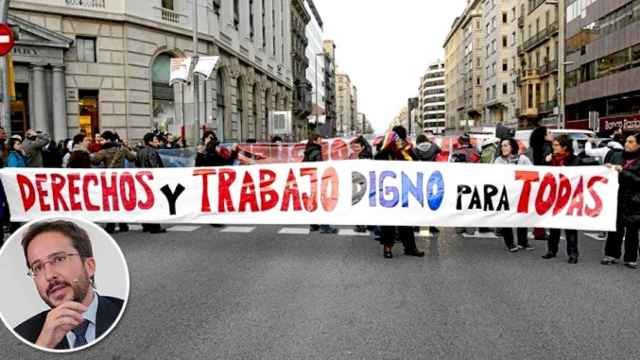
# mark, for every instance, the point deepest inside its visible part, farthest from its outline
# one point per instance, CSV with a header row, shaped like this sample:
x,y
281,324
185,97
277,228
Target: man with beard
x,y
60,261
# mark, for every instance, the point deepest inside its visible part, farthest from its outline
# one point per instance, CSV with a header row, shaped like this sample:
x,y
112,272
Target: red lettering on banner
x,y
297,152
339,150
564,194
595,211
74,191
528,177
330,201
226,177
27,192
268,196
128,191
310,201
205,173
109,191
42,193
291,192
543,205
140,176
86,180
248,194
57,184
577,200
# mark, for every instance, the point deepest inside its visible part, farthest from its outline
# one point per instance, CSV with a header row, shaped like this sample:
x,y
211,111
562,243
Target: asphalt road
x,y
262,295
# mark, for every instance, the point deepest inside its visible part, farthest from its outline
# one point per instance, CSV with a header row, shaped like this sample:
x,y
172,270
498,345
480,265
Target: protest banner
x,y
359,192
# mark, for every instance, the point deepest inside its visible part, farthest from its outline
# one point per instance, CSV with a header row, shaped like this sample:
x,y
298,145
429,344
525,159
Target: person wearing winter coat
x,y
32,147
397,147
16,158
509,155
148,157
313,153
425,150
563,155
113,154
79,157
212,154
627,164
603,153
540,145
360,150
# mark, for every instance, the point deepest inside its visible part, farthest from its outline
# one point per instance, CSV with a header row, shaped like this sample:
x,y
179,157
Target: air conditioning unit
x,y
280,122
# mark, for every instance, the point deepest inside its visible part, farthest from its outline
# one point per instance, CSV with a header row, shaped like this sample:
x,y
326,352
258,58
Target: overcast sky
x,y
385,46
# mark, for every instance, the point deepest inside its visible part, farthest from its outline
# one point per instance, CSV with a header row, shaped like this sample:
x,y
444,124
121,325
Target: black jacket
x,y
313,152
629,191
149,157
214,158
108,310
426,152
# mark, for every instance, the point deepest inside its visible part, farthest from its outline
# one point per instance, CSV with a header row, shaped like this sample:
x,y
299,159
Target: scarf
x,y
559,159
630,159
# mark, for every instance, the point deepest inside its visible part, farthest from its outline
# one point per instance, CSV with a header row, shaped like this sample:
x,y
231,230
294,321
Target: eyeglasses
x,y
57,261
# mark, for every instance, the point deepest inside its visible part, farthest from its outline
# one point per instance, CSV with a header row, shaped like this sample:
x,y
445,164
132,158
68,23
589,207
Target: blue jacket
x,y
16,160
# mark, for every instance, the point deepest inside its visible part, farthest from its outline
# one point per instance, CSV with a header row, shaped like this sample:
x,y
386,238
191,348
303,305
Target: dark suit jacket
x,y
108,310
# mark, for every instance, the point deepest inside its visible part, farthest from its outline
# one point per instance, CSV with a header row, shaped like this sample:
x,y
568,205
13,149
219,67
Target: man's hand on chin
x,y
59,322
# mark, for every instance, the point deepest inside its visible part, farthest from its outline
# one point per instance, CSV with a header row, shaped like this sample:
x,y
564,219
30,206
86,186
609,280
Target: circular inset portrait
x,y
65,284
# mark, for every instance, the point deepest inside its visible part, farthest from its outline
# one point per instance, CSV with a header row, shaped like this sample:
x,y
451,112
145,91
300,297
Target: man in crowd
x,y
32,145
148,157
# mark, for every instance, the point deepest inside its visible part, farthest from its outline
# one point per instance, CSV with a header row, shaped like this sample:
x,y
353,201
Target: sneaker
x,y
329,231
573,260
608,260
548,256
631,264
416,253
527,247
513,249
314,227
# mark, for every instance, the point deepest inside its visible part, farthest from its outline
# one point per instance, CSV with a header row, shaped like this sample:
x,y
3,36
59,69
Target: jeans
x,y
572,242
522,233
613,246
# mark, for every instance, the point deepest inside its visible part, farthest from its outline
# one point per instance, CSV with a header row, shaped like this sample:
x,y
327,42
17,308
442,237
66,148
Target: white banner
x,y
350,192
205,65
179,69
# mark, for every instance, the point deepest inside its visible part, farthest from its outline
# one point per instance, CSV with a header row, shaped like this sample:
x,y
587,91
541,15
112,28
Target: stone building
x,y
329,129
499,20
104,64
316,70
354,108
453,78
344,104
302,87
539,51
432,98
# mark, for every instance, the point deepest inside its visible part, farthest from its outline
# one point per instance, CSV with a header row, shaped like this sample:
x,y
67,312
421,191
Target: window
x,y
216,6
167,4
505,89
504,18
504,41
252,28
220,102
505,65
86,47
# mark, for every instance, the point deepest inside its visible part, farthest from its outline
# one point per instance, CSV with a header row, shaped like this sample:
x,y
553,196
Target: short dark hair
x,y
148,138
109,136
422,139
276,139
79,237
12,142
208,133
565,142
78,139
401,131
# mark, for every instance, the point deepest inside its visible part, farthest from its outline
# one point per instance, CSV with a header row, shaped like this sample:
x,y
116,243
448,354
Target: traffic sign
x,y
7,41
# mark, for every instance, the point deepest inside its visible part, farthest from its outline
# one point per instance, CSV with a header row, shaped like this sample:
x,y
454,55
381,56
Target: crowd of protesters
x,y
621,154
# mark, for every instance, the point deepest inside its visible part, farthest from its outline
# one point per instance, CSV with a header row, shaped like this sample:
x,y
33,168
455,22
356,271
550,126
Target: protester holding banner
x,y
361,150
563,156
148,157
212,154
395,146
425,149
627,164
313,153
79,157
509,155
33,144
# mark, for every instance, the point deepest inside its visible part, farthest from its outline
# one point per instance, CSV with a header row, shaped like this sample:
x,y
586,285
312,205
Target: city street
x,y
273,292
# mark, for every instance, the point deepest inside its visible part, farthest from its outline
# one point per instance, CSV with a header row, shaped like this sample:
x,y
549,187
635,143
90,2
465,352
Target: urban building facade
x,y
603,64
464,54
354,107
453,78
539,57
97,65
432,99
499,21
329,128
302,87
344,104
413,109
316,70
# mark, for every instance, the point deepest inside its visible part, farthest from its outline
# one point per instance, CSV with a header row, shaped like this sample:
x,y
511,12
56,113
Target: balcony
x,y
541,36
529,112
547,107
520,50
169,15
93,4
530,74
521,21
548,68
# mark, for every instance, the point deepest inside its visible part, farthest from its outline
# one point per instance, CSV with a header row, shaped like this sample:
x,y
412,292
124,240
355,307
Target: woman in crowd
x,y
16,157
79,157
563,156
627,164
361,150
509,155
312,153
212,154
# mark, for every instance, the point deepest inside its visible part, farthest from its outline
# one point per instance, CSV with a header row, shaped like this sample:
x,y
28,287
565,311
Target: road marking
x,y
480,235
351,232
183,228
595,236
135,227
238,229
294,231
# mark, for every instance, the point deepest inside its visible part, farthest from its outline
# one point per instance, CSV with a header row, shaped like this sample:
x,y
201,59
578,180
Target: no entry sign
x,y
6,39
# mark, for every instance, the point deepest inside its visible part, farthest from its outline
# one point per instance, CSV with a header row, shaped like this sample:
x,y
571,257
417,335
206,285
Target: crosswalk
x,y
300,230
